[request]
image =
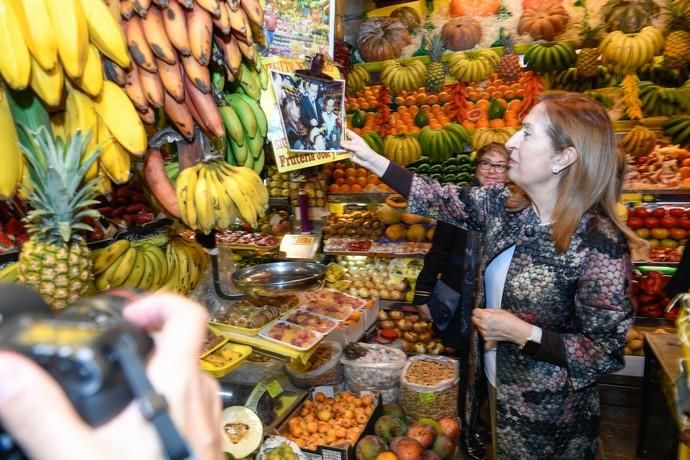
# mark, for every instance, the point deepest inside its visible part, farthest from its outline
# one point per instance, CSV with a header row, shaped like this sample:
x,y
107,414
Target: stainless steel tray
x,y
279,278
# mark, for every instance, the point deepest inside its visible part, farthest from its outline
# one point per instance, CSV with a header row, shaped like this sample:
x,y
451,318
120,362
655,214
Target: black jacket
x,y
680,282
451,259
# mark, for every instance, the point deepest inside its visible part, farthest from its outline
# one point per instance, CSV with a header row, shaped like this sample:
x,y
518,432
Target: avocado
x,y
435,169
465,177
452,169
466,169
437,176
422,168
463,159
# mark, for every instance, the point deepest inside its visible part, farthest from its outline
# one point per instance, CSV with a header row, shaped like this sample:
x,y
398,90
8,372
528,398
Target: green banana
x,y
244,112
259,115
233,125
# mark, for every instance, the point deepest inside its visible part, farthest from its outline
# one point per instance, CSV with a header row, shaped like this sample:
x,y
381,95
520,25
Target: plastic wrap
x,y
329,372
378,370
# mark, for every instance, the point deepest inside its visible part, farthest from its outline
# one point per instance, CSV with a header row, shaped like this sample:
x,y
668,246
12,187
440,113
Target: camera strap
x,y
153,405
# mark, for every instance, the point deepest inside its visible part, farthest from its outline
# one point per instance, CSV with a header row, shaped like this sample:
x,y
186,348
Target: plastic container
x,y
379,369
225,359
290,333
328,373
429,387
321,324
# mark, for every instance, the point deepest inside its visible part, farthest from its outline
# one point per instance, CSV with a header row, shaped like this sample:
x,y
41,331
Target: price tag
x,y
300,246
427,398
336,208
274,389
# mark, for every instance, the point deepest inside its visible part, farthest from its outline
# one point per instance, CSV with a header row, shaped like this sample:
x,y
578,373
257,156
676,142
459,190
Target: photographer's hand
x,y
35,410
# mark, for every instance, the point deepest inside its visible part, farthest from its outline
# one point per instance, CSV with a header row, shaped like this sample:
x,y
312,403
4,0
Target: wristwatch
x,y
533,342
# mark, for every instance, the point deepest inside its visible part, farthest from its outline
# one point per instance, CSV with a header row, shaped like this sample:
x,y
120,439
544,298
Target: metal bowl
x,y
279,278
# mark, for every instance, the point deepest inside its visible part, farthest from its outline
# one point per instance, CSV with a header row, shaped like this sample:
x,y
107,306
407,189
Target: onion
x,y
410,336
396,314
382,315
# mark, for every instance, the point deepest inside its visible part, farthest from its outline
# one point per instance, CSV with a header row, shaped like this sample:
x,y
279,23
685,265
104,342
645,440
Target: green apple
x,y
660,233
643,232
669,243
654,243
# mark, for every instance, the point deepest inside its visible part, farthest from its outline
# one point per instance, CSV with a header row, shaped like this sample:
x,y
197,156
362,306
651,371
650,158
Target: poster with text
x,y
299,28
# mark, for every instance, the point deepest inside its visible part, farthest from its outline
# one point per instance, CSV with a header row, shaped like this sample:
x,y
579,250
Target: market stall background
x,y
162,122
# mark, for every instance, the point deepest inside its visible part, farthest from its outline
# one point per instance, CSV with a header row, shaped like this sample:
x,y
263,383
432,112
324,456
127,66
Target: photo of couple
x,y
311,111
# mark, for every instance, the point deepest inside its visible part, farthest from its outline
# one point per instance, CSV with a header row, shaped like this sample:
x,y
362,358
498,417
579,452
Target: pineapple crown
x,y
589,34
436,45
55,174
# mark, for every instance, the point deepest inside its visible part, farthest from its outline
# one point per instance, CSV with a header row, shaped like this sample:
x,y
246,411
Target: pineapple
x,y
56,261
677,43
588,57
435,74
509,66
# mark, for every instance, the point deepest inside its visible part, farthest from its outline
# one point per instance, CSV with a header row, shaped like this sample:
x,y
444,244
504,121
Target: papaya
x,y
421,119
496,109
474,115
358,119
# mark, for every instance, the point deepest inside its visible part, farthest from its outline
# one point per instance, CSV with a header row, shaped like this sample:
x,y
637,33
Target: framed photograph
x,y
311,110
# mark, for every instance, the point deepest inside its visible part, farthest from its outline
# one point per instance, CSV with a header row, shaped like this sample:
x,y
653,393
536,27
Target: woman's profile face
x,y
492,168
293,111
531,153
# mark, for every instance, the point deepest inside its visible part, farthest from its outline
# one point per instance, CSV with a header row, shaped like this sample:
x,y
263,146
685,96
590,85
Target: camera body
x,y
79,347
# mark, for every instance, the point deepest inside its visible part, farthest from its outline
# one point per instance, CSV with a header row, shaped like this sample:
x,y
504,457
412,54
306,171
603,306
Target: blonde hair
x,y
595,180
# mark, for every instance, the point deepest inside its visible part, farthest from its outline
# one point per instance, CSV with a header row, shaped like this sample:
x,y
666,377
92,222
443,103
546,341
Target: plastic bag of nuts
x,y
429,387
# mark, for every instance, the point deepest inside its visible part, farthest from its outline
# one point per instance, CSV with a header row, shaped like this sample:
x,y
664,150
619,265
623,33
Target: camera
x,y
83,348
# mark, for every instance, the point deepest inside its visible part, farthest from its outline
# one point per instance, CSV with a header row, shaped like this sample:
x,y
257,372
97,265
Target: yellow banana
x,y
124,268
157,253
47,83
72,32
38,31
242,201
184,189
225,209
10,173
121,118
9,273
114,159
107,256
105,32
91,80
80,116
57,124
149,275
15,61
137,271
202,202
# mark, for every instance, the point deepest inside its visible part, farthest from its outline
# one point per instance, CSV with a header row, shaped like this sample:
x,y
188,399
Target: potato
x,y
632,335
635,344
627,351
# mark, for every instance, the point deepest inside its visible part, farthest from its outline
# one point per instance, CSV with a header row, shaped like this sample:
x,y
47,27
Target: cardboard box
x,y
346,452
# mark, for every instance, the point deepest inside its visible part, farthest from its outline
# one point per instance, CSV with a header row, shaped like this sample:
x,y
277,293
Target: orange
x,y
402,109
443,97
354,106
338,173
484,95
413,109
515,105
350,172
344,188
364,106
356,188
350,180
473,95
520,92
436,108
372,179
362,181
362,172
497,123
399,100
422,98
340,181
414,130
468,124
387,455
426,107
482,104
433,99
482,123
409,100
334,188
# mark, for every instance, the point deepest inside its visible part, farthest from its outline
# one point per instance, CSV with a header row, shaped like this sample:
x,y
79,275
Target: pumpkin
x,y
407,16
543,22
382,38
539,3
628,16
474,7
461,33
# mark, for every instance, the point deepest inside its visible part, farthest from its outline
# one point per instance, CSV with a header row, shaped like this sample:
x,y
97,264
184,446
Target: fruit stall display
x,y
664,227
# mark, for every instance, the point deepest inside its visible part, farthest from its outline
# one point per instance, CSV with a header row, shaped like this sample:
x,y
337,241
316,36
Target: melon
x,y
241,431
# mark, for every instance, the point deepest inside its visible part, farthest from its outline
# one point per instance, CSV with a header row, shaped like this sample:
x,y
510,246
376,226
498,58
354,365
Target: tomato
x,y
677,212
678,233
635,222
641,211
684,222
668,222
651,222
659,212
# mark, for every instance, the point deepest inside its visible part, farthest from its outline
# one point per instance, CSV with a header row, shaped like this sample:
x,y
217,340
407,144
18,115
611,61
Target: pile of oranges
x,y
348,178
364,100
478,114
330,421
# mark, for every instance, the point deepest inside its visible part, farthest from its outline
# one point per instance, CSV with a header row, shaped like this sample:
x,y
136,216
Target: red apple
x,y
660,233
659,212
641,211
677,212
635,222
651,222
668,222
684,222
678,233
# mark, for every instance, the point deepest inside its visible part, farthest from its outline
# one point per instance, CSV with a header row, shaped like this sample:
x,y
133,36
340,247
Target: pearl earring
x,y
555,170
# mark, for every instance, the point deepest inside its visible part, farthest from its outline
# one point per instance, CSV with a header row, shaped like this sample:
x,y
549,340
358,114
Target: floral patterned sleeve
x,y
604,311
465,207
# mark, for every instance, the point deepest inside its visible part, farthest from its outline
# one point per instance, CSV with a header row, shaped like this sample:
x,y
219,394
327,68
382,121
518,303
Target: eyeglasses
x,y
487,165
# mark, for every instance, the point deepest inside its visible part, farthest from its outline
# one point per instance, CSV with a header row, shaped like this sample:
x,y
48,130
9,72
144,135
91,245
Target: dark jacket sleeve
x,y
435,261
680,282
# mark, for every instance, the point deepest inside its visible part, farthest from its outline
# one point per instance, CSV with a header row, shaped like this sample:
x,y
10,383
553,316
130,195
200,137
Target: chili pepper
x,y
652,283
671,315
651,311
